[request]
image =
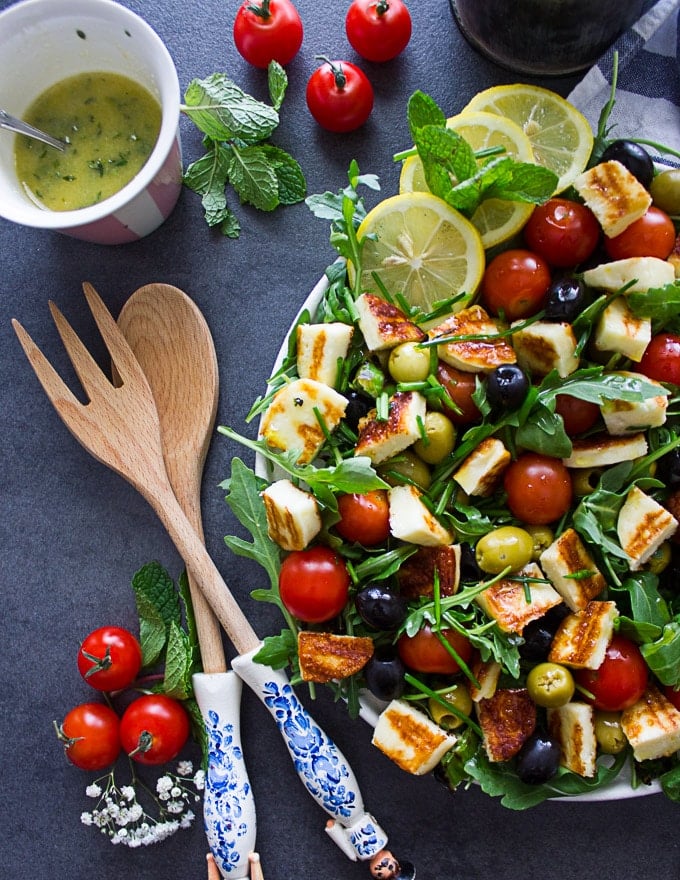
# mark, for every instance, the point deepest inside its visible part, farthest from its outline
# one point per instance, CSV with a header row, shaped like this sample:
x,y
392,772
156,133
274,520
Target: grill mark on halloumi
x,y
566,556
506,599
410,738
383,325
507,719
614,195
582,637
328,657
472,355
416,574
652,726
380,440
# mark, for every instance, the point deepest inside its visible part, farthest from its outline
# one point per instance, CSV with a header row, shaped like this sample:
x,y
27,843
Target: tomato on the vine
x,y
378,29
620,680
267,30
364,518
91,736
339,96
539,488
661,358
154,728
563,232
424,651
653,235
515,284
109,658
314,584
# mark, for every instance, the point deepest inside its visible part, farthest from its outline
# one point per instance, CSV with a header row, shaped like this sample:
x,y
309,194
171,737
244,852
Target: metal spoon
x,y
11,123
172,342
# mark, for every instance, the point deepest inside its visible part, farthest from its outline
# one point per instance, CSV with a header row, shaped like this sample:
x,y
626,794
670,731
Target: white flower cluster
x,y
119,814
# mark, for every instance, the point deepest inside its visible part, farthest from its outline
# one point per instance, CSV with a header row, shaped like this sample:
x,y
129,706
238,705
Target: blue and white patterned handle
x,y
319,763
228,804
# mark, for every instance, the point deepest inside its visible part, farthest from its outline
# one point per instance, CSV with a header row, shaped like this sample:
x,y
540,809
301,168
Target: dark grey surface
x,y
73,534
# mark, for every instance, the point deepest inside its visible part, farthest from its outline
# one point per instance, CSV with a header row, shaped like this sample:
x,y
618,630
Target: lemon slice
x,y
420,248
561,137
496,220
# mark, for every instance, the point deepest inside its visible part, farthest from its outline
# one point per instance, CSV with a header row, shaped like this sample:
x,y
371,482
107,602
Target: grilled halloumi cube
x,y
642,526
601,450
514,603
573,726
614,195
472,355
482,469
487,674
619,330
320,348
383,325
622,417
416,574
582,637
328,657
645,273
572,570
507,719
380,440
544,346
293,517
291,422
412,521
410,738
652,726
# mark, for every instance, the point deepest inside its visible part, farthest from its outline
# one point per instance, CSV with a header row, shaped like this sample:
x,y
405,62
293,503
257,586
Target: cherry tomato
x,y
91,736
339,96
673,695
653,235
378,29
621,678
661,360
314,584
460,387
563,232
154,728
515,284
267,30
109,658
577,414
424,652
539,488
364,518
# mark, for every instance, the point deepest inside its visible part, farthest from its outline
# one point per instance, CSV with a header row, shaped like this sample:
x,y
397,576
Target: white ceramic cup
x,y
45,41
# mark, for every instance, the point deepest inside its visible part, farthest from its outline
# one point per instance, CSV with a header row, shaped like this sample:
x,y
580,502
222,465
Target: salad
x,y
468,511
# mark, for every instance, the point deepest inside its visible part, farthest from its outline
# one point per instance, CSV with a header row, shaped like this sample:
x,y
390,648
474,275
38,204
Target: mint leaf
x,y
292,186
277,81
208,177
223,111
157,607
423,110
254,178
180,664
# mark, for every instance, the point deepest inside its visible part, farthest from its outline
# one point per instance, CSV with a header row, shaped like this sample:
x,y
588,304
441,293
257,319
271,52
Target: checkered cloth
x,y
648,85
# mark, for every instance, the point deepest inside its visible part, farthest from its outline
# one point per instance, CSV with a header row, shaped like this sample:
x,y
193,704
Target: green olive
x,y
503,547
542,536
550,685
585,480
609,733
457,699
440,438
406,467
660,558
665,190
409,362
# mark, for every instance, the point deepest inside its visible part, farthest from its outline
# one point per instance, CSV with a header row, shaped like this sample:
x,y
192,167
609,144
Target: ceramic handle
x,y
228,805
321,766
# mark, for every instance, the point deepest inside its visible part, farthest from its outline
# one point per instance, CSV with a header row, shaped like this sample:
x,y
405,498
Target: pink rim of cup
x,y
45,41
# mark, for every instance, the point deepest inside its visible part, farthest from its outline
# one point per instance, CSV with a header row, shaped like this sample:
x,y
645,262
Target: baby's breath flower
x,y
185,768
93,790
199,780
163,784
86,818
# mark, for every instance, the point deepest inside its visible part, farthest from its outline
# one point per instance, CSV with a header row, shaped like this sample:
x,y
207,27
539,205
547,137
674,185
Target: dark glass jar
x,y
544,37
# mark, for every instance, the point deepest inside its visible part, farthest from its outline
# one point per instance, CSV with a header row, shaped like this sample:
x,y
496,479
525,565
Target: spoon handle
x,y
11,123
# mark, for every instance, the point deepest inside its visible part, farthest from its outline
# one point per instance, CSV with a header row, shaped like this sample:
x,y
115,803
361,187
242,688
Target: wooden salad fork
x,y
120,427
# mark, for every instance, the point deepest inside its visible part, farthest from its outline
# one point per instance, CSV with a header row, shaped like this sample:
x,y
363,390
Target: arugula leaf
x,y
278,651
663,655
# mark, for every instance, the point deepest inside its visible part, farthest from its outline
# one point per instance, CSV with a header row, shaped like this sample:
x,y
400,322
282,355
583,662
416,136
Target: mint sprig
x,y
237,128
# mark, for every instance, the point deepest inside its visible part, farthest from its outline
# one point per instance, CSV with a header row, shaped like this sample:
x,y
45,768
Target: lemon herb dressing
x,y
111,124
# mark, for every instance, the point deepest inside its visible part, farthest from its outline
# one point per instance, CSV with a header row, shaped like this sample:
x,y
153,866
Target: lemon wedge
x,y
496,220
420,248
560,136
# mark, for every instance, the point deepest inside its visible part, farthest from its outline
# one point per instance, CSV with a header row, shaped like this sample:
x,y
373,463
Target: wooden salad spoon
x,y
173,344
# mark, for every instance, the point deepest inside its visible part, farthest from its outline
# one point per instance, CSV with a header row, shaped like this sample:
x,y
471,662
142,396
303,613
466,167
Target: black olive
x,y
538,634
381,608
668,469
565,299
507,387
634,157
539,759
469,570
358,406
384,676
